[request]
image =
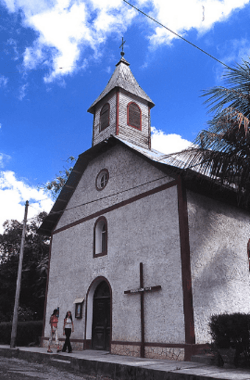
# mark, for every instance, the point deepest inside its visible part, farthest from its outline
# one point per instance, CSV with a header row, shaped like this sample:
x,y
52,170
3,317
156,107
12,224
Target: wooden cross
x,y
141,291
121,47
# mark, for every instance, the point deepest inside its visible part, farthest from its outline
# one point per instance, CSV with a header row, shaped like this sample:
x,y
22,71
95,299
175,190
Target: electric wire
x,y
176,34
108,196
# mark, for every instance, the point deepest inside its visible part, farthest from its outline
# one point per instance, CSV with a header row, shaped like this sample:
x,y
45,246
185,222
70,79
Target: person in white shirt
x,y
68,327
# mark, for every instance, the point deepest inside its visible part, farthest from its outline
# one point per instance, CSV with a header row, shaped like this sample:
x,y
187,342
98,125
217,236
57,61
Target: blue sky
x,y
58,55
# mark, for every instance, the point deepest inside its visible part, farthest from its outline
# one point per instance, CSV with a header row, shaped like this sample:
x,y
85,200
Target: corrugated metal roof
x,y
154,155
123,78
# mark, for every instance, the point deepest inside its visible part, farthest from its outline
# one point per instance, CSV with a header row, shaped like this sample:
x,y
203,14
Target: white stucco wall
x,y
146,230
220,276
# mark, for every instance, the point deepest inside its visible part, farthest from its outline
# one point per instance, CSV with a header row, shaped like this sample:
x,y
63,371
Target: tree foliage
x,y
54,187
223,150
34,273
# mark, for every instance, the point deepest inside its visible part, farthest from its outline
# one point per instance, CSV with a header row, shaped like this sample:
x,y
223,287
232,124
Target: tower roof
x,y
123,78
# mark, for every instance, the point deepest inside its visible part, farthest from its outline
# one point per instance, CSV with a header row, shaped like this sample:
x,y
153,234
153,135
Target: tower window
x,y
104,117
100,237
134,115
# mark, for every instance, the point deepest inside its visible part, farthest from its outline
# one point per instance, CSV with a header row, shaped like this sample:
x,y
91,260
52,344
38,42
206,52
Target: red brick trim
x,y
185,264
117,112
118,205
102,129
138,129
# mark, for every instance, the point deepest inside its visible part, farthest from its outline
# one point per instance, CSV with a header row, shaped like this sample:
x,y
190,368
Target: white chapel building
x,y
141,254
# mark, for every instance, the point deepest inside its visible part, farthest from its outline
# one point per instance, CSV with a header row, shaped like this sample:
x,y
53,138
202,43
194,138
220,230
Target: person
x,y
68,327
53,323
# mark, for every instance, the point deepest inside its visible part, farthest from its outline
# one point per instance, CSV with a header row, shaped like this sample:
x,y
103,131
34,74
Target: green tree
x,y
34,274
54,187
223,150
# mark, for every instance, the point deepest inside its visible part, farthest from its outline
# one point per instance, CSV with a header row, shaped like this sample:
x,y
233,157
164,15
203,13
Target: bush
x,y
27,332
232,331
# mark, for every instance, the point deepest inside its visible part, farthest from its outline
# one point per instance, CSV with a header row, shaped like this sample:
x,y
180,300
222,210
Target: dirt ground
x,y
16,369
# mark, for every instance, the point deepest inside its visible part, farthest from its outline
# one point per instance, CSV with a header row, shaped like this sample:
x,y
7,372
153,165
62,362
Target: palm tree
x,y
223,151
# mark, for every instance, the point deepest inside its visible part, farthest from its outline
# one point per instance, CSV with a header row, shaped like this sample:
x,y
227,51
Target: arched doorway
x,y
101,317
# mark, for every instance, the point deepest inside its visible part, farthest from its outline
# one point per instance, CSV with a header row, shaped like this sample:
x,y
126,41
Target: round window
x,y
102,179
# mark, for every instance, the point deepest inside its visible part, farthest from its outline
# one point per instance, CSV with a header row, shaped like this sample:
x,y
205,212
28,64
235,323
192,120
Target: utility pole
x,y
18,281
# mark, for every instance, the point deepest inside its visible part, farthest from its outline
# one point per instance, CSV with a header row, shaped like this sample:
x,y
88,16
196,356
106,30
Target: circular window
x,y
102,179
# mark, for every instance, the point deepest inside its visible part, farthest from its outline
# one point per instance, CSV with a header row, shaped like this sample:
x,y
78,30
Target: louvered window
x,y
134,116
104,117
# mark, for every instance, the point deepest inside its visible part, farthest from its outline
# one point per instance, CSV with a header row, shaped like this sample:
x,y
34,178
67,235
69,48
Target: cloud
x,y
14,193
168,143
67,29
3,81
22,91
181,16
235,51
3,157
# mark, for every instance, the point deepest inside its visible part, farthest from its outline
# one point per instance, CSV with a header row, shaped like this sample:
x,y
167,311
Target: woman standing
x,y
68,327
53,332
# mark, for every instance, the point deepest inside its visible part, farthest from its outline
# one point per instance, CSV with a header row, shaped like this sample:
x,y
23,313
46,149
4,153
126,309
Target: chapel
x,y
141,254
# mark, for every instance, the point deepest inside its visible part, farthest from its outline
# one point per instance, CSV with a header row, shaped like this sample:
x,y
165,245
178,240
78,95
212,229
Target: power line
x,y
176,34
108,196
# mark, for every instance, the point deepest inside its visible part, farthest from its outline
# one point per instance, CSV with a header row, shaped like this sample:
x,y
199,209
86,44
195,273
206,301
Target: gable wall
x,y
220,276
146,230
129,175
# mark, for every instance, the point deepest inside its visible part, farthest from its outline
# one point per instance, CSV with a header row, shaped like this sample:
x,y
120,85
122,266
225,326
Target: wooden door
x,y
101,318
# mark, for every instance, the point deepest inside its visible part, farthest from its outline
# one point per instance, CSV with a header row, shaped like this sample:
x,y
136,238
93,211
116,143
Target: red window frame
x,y
133,126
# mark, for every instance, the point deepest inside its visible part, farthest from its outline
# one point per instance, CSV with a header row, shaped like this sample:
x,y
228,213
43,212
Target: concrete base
x,y
101,363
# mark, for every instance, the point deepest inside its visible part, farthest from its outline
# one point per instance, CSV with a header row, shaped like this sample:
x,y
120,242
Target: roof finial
x,y
121,47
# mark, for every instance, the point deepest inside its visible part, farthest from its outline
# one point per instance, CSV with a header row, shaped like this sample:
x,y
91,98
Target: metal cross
x,y
121,47
142,290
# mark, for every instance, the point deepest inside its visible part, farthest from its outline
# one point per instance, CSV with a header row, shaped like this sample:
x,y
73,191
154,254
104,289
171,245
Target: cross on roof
x,y
121,47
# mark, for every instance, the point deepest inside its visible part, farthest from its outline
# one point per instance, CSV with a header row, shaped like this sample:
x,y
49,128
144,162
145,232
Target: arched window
x,y
134,115
104,117
100,237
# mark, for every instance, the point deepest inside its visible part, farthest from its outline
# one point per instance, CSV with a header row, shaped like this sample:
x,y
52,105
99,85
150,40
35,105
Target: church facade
x,y
140,255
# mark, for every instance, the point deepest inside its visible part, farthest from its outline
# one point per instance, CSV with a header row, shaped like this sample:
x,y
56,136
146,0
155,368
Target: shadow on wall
x,y
218,263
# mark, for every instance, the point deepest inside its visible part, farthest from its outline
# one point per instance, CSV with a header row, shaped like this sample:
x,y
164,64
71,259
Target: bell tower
x,y
122,109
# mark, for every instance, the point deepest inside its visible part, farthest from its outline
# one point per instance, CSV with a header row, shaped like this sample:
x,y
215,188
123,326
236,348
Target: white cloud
x,y
170,143
22,91
65,28
3,157
236,51
14,193
182,15
3,81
